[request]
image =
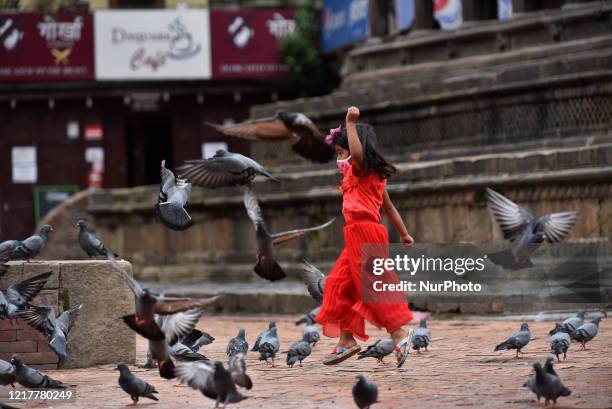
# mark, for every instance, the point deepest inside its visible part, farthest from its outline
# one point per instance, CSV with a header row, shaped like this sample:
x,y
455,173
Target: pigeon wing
x,y
39,318
314,280
67,318
215,172
267,129
282,237
176,326
252,207
133,284
169,305
29,288
510,216
556,226
167,182
198,375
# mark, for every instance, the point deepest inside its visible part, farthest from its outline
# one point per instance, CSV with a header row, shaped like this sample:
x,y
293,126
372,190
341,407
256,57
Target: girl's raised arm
x,y
352,115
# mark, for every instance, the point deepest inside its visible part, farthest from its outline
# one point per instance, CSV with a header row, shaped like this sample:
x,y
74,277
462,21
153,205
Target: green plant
x,y
302,55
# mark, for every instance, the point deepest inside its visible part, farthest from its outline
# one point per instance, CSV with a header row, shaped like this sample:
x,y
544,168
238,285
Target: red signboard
x,y
46,47
245,42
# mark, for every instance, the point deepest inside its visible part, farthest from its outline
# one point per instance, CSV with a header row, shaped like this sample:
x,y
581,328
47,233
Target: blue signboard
x,y
504,9
404,12
344,22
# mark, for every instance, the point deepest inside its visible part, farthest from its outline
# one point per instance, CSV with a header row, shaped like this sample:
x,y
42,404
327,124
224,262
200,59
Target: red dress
x,y
343,307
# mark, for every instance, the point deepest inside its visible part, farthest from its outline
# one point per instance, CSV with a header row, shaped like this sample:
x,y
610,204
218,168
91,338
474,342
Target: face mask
x,y
344,164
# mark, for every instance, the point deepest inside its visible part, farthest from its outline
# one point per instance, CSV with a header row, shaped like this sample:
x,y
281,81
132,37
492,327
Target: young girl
x,y
344,310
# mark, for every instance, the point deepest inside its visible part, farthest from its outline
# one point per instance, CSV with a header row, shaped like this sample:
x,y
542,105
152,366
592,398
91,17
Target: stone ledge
x,y
98,336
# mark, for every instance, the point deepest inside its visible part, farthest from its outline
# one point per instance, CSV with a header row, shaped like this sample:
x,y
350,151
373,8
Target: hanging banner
x,y
46,47
245,42
448,13
152,44
504,9
344,23
404,14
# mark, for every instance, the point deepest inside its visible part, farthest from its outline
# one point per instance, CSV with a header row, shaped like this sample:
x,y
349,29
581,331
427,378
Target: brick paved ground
x,y
458,370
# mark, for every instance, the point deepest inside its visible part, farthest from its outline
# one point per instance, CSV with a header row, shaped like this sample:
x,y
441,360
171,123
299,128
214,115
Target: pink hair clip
x,y
333,133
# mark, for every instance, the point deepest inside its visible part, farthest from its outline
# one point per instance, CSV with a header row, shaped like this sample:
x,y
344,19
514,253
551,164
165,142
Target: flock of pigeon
x,y
168,323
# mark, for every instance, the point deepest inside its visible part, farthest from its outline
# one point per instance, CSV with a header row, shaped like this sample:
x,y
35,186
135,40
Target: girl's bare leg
x,y
346,340
397,336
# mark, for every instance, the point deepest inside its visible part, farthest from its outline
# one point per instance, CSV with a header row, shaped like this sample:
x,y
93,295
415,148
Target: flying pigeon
x,y
524,231
148,304
310,142
365,393
379,350
134,386
560,342
19,295
586,332
182,352
197,339
91,245
266,266
517,341
309,318
174,194
298,351
237,345
271,325
30,247
32,378
237,367
269,345
7,373
160,353
314,280
311,334
212,380
421,336
546,385
224,169
55,329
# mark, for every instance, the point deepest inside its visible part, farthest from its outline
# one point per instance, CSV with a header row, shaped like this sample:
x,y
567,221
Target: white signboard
x,y
25,169
152,44
210,148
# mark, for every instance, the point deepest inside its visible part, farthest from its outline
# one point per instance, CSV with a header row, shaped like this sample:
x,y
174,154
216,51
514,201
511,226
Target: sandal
x,y
340,354
403,343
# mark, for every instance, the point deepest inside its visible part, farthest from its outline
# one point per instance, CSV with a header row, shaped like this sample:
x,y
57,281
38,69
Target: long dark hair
x,y
373,161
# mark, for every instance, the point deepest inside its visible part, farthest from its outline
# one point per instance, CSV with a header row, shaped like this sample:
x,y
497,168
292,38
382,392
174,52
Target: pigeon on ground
x,y
310,142
266,266
174,194
224,169
517,341
32,378
421,336
237,345
572,323
30,247
5,256
237,367
298,351
271,325
586,332
7,373
91,245
314,280
148,304
197,339
365,393
311,334
309,318
379,350
269,345
55,329
524,231
18,296
546,385
549,366
134,386
560,342
211,379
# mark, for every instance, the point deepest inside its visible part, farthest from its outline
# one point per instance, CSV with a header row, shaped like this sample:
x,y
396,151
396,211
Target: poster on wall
x,y
245,42
448,13
46,47
152,44
24,164
404,14
504,10
344,22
